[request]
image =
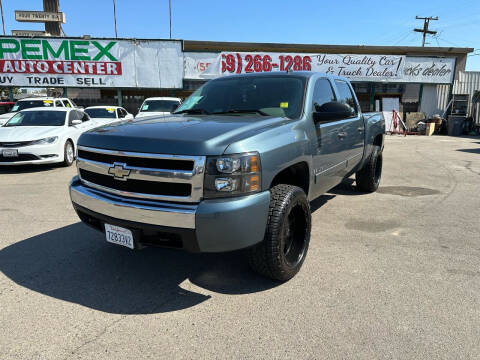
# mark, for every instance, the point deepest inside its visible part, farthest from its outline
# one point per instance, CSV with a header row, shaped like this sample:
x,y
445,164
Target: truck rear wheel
x,y
283,250
368,178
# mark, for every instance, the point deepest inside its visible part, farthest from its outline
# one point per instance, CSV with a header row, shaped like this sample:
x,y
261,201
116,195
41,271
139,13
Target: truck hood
x,y
28,133
179,134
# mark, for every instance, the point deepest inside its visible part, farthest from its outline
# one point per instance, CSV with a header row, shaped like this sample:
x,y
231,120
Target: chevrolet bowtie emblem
x,y
119,172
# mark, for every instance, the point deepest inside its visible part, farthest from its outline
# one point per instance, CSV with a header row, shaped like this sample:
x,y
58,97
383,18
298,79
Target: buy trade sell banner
x,y
67,62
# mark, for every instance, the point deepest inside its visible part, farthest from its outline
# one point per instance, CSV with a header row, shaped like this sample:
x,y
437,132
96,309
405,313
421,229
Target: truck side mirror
x,y
332,111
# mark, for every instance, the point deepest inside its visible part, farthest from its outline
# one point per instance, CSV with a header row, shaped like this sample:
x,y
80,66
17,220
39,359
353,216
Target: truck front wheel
x,y
283,250
368,178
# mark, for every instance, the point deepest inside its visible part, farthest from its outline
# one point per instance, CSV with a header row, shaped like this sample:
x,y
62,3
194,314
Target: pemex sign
x,y
92,62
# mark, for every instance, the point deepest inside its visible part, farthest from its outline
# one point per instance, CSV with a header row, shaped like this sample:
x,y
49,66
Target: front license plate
x,y
118,235
10,153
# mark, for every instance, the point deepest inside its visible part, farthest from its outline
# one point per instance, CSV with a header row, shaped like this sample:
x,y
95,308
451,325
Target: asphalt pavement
x,y
389,275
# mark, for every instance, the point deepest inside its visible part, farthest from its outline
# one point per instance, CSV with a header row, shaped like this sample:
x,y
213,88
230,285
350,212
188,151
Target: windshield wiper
x,y
192,111
241,111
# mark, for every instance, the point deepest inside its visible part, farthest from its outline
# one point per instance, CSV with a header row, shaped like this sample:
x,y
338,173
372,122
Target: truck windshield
x,y
263,95
159,105
27,104
108,113
37,118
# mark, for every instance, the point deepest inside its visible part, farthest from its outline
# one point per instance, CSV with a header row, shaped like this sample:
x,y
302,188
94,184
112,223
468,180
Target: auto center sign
x,y
356,67
90,62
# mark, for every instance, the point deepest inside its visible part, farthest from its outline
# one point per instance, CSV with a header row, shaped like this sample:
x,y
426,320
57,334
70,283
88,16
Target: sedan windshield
x,y
263,95
37,118
101,113
28,104
159,105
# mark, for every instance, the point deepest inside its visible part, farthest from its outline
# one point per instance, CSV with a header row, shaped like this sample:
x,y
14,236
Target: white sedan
x,y
108,114
43,136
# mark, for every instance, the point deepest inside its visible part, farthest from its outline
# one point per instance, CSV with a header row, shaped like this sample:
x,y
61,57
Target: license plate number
x,y
118,235
10,153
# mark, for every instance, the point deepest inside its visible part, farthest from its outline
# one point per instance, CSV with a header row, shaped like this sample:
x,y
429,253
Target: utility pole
x,y
3,22
115,18
170,12
425,31
52,28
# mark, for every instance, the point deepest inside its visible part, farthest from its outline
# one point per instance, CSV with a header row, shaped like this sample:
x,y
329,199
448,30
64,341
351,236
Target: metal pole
x,y
120,98
3,22
10,94
52,27
115,18
170,12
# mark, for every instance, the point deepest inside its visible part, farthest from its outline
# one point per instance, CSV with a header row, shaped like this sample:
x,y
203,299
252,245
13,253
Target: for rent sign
x,y
96,62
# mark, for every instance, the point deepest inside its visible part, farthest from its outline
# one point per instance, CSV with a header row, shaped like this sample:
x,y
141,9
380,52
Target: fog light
x,y
226,184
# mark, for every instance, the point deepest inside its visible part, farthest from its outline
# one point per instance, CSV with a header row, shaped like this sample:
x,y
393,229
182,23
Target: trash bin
x,y
455,125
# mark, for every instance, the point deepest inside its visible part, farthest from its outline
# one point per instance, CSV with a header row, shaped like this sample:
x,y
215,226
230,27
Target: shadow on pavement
x,y
75,264
473,151
346,187
320,201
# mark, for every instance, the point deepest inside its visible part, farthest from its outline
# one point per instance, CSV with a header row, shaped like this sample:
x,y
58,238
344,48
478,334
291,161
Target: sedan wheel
x,y
69,154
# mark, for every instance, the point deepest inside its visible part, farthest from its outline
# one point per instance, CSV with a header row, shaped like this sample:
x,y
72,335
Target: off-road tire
x,y
270,258
68,159
368,178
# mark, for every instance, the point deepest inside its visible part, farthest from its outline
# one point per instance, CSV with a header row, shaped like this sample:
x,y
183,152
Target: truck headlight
x,y
232,175
45,141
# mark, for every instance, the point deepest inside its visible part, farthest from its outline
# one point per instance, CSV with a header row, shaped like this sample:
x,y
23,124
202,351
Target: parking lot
x,y
394,274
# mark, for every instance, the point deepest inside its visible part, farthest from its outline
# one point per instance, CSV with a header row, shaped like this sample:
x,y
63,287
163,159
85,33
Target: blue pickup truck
x,y
234,167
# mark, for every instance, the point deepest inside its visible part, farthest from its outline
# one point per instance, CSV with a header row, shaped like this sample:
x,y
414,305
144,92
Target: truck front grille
x,y
137,186
141,175
153,163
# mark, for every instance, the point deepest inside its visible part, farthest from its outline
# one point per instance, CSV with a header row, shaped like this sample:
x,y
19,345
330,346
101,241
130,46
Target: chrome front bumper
x,y
143,211
215,225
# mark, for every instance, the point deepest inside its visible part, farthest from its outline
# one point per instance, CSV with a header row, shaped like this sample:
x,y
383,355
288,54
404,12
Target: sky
x,y
345,22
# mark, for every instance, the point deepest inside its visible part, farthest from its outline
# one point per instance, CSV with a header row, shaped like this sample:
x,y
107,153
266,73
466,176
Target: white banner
x,y
61,62
429,70
372,68
354,67
195,64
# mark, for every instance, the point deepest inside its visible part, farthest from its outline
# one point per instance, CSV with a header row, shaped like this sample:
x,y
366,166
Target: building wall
x,y
434,99
467,83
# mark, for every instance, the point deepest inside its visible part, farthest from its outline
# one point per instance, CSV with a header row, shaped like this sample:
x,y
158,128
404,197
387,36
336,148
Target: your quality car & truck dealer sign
x,y
77,62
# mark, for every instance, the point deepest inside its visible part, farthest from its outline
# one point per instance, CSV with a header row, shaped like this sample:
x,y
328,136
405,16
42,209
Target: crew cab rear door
x,y
329,150
353,131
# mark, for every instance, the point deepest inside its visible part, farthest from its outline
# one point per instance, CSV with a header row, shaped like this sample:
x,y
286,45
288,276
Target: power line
x,y
425,30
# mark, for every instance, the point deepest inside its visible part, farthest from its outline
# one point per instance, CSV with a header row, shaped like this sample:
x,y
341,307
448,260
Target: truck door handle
x,y
360,129
341,135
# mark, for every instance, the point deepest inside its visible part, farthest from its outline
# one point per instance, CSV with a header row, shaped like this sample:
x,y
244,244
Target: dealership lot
x,y
393,274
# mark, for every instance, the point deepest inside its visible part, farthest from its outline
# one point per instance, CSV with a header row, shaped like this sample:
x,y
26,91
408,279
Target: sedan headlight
x,y
232,175
49,140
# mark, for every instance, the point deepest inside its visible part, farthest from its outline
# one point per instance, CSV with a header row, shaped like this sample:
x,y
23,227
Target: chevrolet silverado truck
x,y
234,167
